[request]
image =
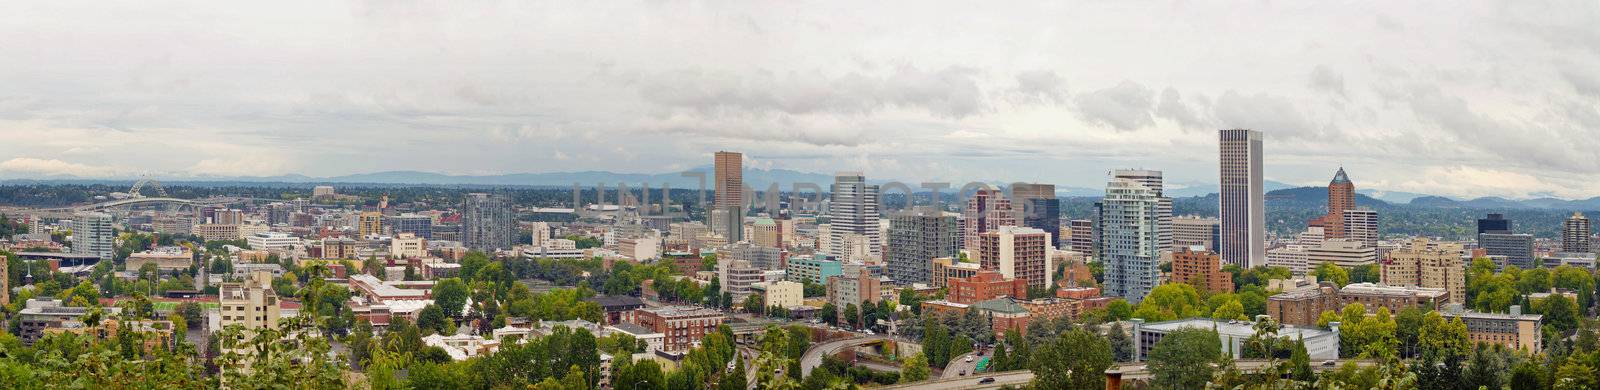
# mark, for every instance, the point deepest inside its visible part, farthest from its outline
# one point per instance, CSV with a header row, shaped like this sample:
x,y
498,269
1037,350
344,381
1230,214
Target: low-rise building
x,y
816,268
408,245
272,241
1202,269
784,294
1343,252
1320,344
40,314
654,341
983,286
682,326
250,303
855,287
1304,307
945,268
618,308
1512,329
167,258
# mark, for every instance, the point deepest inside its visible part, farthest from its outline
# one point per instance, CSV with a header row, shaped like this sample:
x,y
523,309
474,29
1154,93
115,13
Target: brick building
x,y
1303,307
1202,269
683,326
983,286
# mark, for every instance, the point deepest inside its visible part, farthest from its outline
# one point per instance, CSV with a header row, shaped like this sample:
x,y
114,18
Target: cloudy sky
x,y
1459,98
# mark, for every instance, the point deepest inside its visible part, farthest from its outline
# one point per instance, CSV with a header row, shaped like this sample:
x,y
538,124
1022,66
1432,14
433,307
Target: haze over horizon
x,y
1484,99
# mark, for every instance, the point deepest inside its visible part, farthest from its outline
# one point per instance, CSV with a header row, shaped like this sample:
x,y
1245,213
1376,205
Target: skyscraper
x,y
1039,208
729,167
486,222
1575,234
853,209
1360,224
1341,197
986,210
915,239
1242,203
92,235
1128,223
1494,223
1152,180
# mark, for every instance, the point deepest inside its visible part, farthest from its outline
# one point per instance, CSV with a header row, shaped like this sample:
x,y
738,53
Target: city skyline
x,y
1411,98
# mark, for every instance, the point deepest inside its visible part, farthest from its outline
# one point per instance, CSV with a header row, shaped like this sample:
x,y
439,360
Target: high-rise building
x,y
1494,223
487,223
1152,180
1575,234
1202,269
416,224
856,286
1424,263
1037,207
251,303
986,210
369,224
1128,225
1082,239
915,239
1018,253
1341,197
1515,249
1242,200
1191,231
853,209
92,235
1360,224
729,167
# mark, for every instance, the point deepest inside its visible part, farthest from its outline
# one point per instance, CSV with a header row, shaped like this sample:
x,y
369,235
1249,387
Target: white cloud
x,y
53,167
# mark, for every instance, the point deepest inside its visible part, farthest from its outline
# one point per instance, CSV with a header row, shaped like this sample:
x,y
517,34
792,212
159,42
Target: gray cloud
x,y
1125,106
1041,86
1326,80
1274,115
1172,107
949,92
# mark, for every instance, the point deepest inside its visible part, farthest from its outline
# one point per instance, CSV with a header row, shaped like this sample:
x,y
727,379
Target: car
x,y
963,372
1330,363
986,380
969,359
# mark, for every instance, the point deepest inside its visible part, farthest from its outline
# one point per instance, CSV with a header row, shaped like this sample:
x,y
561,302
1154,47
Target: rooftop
x,y
1239,329
631,328
681,311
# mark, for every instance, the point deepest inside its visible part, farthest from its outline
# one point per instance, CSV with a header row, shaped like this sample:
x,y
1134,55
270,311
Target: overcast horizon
x,y
1460,99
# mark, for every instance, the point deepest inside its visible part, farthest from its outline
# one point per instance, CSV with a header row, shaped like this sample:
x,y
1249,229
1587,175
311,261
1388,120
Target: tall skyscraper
x,y
1360,224
1038,208
1242,200
92,235
1018,253
1128,223
1152,180
1341,197
1575,234
853,209
986,210
915,239
729,167
486,222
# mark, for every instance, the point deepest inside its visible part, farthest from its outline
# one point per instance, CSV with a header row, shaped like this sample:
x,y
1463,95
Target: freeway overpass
x,y
813,357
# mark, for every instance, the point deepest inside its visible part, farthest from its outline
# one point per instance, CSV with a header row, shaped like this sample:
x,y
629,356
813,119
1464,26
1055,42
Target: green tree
x,y
432,319
1231,310
1077,359
1121,345
915,368
1575,374
829,314
1119,310
1332,273
451,295
1183,358
1169,302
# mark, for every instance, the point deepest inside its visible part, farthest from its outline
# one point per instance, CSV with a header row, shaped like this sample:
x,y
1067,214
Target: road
x,y
959,364
1014,378
813,357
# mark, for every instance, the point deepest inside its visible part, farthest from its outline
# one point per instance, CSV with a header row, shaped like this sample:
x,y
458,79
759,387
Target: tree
x,y
1366,273
432,319
1332,273
451,295
829,314
1169,302
1559,311
915,368
753,304
1231,310
1574,375
1077,359
1119,310
1121,344
1183,358
851,315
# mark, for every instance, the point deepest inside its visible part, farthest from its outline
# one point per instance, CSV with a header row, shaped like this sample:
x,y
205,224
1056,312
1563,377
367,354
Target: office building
x,y
1494,223
983,286
915,239
815,269
167,258
1018,253
1361,224
1320,344
737,276
1192,231
683,326
416,224
1428,264
857,286
369,224
1576,234
764,232
1082,238
1129,229
1202,269
729,170
760,257
37,315
1242,200
946,268
1037,207
1516,249
92,235
1343,252
1513,329
986,210
1341,197
1292,257
1304,307
853,209
780,293
408,246
487,223
271,241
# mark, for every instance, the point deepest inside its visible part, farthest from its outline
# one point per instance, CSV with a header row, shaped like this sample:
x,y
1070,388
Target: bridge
x,y
813,356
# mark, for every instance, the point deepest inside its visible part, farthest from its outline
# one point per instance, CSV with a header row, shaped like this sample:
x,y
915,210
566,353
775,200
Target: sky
x,y
1455,98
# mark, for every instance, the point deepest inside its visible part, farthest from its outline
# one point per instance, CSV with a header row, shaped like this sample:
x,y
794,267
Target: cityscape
x,y
448,196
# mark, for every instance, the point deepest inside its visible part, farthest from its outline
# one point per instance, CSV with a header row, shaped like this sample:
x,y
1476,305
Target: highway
x,y
813,357
959,364
1130,372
